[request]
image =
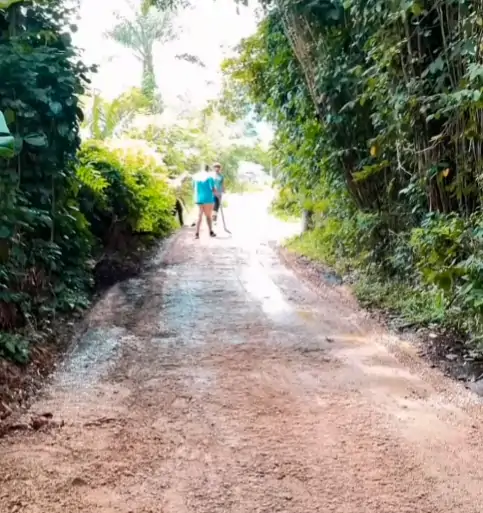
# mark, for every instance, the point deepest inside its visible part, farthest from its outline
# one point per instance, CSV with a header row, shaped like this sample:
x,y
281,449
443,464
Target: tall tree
x,y
139,33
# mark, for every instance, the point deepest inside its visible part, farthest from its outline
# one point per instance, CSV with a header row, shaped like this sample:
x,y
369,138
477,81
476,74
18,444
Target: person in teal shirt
x,y
204,190
220,187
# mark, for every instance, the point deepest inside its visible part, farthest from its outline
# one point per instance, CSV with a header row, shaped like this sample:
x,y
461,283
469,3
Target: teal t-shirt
x,y
219,179
203,185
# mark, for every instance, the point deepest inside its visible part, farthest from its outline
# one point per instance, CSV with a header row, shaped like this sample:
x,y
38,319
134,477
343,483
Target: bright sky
x,y
208,31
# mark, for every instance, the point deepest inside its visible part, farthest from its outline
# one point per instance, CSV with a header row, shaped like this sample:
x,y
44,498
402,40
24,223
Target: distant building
x,y
253,173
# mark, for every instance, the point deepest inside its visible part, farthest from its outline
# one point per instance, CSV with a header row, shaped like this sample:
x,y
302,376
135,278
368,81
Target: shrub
x,y
286,204
45,242
123,194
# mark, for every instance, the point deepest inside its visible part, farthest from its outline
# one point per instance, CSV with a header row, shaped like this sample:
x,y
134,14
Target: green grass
x,y
413,306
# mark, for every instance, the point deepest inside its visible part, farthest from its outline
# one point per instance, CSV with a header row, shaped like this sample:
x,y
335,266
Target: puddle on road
x,y
262,289
307,315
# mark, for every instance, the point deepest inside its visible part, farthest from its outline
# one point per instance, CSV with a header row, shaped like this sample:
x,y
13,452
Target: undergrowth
x,y
426,276
286,205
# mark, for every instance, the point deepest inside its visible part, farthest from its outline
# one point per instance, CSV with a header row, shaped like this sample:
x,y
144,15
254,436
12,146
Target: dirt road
x,y
219,382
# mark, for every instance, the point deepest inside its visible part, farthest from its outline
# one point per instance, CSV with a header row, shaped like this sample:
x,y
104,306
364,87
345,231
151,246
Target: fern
x,y
92,178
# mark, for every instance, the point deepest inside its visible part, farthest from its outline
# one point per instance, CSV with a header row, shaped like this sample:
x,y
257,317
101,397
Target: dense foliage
x,y
43,236
182,149
188,149
106,119
123,193
56,211
377,107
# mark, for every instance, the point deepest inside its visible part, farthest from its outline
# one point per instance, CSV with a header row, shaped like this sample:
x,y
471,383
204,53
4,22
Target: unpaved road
x,y
218,382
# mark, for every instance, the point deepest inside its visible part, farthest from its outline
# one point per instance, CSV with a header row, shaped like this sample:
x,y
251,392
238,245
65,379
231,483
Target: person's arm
x,y
223,184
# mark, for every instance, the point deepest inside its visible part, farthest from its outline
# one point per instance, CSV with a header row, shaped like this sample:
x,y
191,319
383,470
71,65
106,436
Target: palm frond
x,y
193,59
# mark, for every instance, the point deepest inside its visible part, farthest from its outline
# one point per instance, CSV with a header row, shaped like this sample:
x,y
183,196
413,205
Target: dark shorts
x,y
217,204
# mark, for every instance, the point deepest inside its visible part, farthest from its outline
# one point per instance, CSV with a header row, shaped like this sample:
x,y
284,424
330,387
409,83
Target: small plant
x,y
14,347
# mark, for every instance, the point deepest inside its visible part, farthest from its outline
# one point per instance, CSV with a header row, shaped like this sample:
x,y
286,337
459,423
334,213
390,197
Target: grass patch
x,y
410,305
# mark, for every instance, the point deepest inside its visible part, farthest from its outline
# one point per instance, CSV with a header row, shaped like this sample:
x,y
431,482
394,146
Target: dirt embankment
x,y
18,383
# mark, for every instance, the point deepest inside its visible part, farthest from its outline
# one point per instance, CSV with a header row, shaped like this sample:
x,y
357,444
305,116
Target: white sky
x,y
208,31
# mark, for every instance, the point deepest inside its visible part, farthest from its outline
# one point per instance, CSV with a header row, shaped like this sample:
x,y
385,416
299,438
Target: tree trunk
x,y
307,220
149,86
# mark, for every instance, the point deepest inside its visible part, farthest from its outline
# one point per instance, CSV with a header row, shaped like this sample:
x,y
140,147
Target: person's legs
x,y
208,211
179,210
215,208
198,222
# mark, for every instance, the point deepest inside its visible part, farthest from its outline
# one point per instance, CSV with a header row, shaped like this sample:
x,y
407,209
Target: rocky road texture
x,y
218,382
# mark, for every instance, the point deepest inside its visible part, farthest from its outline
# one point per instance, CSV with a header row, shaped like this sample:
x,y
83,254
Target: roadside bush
x,y
123,194
55,211
448,252
429,274
286,204
45,242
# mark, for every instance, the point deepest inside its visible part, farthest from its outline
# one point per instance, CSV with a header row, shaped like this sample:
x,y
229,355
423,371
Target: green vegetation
x,y
377,108
187,149
44,238
286,205
104,119
60,208
183,149
123,194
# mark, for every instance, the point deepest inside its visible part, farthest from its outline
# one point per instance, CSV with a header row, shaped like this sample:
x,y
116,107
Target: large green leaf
x,y
56,108
9,116
7,146
37,140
